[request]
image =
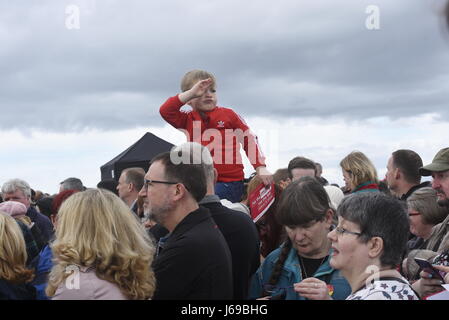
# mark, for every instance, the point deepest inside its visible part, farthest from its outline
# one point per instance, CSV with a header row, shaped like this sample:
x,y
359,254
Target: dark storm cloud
x,y
278,59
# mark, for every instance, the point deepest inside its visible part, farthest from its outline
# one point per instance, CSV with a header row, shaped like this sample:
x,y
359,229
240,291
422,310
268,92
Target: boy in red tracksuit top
x,y
220,129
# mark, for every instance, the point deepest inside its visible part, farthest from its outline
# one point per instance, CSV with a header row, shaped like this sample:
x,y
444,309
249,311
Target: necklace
x,y
303,266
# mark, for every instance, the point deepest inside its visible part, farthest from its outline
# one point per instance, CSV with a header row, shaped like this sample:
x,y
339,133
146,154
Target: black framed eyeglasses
x,y
342,231
411,214
149,182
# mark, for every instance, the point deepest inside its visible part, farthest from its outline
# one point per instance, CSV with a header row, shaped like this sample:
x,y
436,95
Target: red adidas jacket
x,y
221,131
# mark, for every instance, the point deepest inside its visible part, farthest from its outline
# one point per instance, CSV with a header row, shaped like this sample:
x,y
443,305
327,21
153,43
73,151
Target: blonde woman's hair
x,y
359,167
13,255
192,77
96,229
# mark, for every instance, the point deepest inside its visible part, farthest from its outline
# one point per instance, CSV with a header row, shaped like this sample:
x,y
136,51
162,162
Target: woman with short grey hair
x,y
368,243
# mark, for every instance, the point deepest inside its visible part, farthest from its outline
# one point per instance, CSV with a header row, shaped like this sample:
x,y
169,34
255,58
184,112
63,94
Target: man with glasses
x,y
194,261
20,191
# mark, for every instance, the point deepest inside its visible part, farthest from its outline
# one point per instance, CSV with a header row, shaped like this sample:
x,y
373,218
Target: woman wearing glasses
x,y
367,245
300,269
424,213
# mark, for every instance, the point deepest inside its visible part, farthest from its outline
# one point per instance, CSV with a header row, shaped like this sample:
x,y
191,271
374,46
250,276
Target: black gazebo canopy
x,y
137,155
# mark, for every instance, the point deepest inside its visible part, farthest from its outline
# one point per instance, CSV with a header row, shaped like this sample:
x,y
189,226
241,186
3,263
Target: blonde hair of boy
x,y
96,229
13,253
360,168
192,77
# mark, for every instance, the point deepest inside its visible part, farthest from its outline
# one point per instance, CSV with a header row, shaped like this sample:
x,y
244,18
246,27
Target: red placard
x,y
260,200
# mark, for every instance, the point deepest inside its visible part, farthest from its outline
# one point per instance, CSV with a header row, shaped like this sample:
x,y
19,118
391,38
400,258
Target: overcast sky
x,y
309,77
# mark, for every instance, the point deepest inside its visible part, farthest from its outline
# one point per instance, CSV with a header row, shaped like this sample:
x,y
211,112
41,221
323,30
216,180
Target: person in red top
x,y
220,129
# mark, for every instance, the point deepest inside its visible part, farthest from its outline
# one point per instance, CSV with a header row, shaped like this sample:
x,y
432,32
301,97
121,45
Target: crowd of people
x,y
314,242
183,229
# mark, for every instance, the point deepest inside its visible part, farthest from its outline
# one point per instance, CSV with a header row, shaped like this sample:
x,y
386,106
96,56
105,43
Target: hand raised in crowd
x,y
313,289
427,285
265,175
444,269
196,91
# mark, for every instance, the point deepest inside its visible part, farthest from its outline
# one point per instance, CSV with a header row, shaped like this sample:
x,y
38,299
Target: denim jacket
x,y
291,274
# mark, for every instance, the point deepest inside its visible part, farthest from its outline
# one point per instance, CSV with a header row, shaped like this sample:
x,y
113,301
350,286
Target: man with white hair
x,y
20,191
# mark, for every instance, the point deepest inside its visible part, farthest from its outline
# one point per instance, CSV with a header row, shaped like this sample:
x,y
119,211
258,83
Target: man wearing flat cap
x,y
439,170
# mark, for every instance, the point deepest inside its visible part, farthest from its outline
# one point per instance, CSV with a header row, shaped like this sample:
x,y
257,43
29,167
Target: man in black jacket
x,y
238,229
193,261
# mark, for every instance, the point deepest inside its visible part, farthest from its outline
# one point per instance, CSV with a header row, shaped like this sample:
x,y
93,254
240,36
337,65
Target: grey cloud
x,y
277,59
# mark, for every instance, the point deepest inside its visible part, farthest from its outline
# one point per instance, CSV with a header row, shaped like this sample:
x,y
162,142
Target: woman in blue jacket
x,y
300,269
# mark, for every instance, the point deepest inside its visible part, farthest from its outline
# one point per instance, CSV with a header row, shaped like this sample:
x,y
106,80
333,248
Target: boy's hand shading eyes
x,y
196,91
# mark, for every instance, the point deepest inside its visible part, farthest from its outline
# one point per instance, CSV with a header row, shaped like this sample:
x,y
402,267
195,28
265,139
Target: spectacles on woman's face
x,y
413,213
342,231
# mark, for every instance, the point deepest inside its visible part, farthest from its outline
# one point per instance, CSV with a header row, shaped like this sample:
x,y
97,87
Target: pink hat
x,y
13,208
